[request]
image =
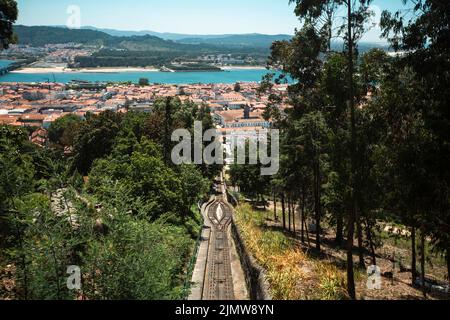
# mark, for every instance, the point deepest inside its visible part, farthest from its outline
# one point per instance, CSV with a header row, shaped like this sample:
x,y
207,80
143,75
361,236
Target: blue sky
x,y
179,16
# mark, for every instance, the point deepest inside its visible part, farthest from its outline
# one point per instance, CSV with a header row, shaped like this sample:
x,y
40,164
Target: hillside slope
x,y
41,35
244,40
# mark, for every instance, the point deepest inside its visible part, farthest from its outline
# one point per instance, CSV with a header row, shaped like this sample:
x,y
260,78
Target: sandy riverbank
x,y
40,70
113,70
243,68
84,70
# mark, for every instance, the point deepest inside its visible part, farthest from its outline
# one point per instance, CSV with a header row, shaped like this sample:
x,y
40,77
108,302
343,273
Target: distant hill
x,y
161,42
162,35
42,35
235,40
39,36
228,40
239,40
362,46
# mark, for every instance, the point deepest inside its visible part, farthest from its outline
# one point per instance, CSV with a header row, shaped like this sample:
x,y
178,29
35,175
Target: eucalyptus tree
x,y
334,86
303,63
248,176
421,32
272,111
295,176
312,137
358,14
8,16
322,13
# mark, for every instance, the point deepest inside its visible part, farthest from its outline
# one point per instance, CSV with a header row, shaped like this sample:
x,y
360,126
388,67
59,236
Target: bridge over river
x,y
4,69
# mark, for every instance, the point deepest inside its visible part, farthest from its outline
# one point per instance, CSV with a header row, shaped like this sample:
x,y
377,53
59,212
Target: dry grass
x,y
292,274
332,283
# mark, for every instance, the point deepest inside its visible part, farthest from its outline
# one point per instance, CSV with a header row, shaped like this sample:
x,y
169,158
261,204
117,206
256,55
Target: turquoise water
x,y
4,63
154,77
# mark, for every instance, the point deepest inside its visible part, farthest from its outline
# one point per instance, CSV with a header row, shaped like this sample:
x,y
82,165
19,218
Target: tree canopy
x,y
8,16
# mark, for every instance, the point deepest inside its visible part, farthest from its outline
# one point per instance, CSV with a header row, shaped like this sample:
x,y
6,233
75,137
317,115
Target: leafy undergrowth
x,y
291,273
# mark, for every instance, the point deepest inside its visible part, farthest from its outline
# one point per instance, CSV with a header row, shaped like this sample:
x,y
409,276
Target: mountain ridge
x,y
233,40
176,36
244,43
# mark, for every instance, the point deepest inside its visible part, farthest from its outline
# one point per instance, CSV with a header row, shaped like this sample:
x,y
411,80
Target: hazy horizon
x,y
151,30
198,17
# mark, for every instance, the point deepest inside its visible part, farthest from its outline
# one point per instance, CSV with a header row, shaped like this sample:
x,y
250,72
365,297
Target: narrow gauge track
x,y
218,284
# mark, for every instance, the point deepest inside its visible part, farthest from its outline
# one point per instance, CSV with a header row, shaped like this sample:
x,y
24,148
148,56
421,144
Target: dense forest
x,y
115,206
41,36
119,58
114,58
366,141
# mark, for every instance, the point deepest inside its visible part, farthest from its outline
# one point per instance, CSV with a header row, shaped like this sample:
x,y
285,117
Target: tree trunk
x,y
303,218
350,275
413,255
283,209
351,221
371,244
275,207
317,207
329,21
293,217
362,264
422,263
307,235
340,228
289,212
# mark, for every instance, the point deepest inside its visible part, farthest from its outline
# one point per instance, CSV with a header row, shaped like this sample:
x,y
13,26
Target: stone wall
x,y
257,285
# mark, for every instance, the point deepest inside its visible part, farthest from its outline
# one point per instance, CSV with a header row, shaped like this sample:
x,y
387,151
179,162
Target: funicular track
x,y
218,282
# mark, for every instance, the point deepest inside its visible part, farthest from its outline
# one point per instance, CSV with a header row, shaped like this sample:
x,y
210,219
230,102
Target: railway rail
x,y
218,282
